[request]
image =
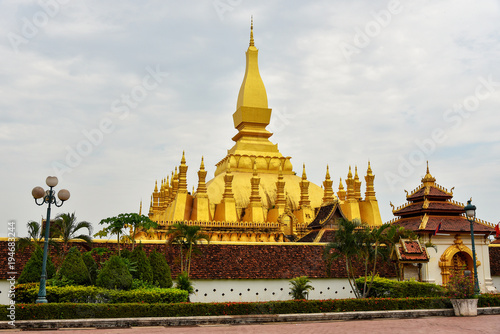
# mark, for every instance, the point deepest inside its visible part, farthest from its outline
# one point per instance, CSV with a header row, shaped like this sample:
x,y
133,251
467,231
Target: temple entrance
x,y
456,259
461,262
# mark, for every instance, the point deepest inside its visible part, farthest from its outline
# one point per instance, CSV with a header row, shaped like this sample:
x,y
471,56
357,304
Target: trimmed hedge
x,y
134,310
27,293
387,288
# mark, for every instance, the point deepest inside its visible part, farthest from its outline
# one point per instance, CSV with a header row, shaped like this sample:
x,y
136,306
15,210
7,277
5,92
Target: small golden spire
x,y
156,186
327,173
251,33
428,167
304,176
183,160
202,166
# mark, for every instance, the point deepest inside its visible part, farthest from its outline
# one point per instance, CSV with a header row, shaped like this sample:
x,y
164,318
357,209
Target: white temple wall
x,y
431,272
259,290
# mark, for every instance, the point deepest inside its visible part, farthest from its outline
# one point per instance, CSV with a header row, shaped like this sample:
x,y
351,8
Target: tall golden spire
x,y
350,185
252,91
304,189
370,189
327,184
183,175
341,193
357,184
202,186
280,190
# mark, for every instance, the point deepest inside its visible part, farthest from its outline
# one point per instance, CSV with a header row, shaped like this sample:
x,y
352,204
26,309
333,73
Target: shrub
x,y
161,273
183,283
27,293
143,267
114,274
32,271
299,287
73,268
386,288
91,265
460,286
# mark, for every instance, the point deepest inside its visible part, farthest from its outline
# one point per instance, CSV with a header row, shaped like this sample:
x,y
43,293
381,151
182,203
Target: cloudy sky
x,y
107,94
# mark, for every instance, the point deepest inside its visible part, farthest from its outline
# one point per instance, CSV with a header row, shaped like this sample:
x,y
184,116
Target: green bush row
x,y
386,288
27,293
133,310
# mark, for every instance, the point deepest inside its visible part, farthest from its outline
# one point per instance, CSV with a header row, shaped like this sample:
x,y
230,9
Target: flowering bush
x,y
460,286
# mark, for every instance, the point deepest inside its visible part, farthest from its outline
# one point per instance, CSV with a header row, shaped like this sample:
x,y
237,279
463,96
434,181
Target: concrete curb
x,y
234,320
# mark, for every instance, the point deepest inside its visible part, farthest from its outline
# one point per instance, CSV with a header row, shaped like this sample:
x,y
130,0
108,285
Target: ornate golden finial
x,y
304,176
156,186
349,175
341,193
392,205
428,167
369,170
183,160
251,33
202,166
140,208
357,184
327,187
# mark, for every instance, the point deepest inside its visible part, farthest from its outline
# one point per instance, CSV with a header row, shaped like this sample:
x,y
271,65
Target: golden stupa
x,y
255,196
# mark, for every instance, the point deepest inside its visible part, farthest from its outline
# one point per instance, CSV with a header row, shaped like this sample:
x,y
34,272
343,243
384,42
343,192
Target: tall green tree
x,y
393,235
118,224
349,240
32,270
73,268
66,228
187,237
161,273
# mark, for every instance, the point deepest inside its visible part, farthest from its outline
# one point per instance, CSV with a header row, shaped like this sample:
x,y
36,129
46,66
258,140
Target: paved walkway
x,y
484,324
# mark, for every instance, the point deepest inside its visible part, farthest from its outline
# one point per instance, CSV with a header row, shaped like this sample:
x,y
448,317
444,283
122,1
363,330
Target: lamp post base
x,y
41,300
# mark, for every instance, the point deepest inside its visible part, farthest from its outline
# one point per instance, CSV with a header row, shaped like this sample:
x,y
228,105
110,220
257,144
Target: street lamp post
x,y
470,212
49,198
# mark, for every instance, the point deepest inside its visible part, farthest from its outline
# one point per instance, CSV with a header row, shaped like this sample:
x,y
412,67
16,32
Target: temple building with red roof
x,y
440,222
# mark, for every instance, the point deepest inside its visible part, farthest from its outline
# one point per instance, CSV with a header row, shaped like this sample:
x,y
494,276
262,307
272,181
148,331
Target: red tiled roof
x,y
434,193
412,246
417,257
449,224
447,207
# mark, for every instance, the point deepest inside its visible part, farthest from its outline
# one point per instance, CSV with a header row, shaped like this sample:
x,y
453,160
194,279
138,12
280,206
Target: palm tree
x,y
187,237
300,287
392,237
350,239
371,251
66,228
35,236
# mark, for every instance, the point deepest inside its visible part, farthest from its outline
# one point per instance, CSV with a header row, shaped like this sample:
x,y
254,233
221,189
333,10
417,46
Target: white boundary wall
x,y
4,292
258,290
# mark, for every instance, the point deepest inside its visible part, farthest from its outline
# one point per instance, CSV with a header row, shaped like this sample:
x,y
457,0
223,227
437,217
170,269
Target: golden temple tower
x,y
254,195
